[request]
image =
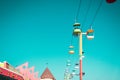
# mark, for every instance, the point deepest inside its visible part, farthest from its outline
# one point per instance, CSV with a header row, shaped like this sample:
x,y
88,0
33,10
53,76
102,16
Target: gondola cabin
x,y
73,73
71,47
76,31
90,34
71,51
76,66
68,64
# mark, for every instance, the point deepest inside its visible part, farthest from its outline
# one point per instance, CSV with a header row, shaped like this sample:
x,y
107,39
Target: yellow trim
x,y
1,64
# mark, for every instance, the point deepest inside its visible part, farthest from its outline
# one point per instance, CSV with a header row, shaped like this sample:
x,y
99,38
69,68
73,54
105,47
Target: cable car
x,y
76,31
71,51
68,64
76,66
73,73
90,34
71,46
66,70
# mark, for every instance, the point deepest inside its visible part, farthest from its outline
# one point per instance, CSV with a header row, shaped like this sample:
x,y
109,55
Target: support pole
x,y
80,69
80,53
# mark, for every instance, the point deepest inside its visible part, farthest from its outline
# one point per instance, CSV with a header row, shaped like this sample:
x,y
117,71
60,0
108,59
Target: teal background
x,y
39,32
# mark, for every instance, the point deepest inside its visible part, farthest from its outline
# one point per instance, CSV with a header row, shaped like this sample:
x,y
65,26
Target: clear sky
x,y
39,32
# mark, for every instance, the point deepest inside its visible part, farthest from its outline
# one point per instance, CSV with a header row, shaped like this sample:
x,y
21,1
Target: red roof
x,y
6,74
47,74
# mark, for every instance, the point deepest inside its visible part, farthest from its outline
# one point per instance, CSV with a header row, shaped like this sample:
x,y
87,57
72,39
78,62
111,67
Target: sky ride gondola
x,y
71,47
76,66
71,51
90,34
76,30
73,73
68,63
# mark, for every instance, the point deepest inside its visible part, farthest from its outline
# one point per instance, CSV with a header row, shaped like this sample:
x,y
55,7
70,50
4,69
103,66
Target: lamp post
x,y
78,32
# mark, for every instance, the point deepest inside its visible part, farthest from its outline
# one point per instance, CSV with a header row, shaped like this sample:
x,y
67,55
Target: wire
x,y
76,18
71,40
96,13
89,6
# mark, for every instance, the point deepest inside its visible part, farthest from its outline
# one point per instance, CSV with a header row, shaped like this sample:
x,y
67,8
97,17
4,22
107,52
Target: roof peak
x,y
47,74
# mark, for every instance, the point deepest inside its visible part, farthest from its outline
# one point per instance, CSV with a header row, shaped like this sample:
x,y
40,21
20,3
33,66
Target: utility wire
x,y
72,40
76,18
96,13
89,6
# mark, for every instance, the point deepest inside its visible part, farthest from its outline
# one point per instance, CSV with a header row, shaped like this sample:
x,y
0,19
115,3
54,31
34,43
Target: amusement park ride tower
x,y
78,32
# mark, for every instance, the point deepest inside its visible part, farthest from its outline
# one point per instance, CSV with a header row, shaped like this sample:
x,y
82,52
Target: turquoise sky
x,y
39,32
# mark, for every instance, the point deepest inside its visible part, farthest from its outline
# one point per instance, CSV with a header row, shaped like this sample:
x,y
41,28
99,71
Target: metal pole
x,y
80,53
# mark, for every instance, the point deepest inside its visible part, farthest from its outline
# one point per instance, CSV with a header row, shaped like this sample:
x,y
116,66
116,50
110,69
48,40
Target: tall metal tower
x,y
78,32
